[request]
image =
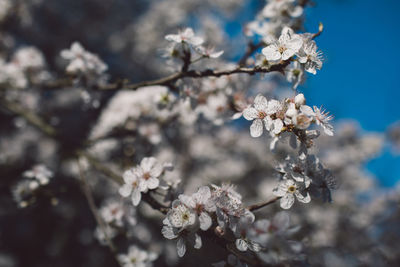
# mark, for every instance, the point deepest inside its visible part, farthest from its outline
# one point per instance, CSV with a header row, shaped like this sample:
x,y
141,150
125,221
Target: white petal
x,y
256,128
181,247
197,241
168,232
280,190
156,170
152,183
241,245
287,201
271,52
260,103
301,198
173,38
273,106
272,145
295,44
187,200
205,221
307,110
250,114
125,190
147,164
136,196
278,125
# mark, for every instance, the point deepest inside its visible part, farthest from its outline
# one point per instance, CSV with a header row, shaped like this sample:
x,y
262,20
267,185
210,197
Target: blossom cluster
x,y
25,190
142,178
82,62
291,115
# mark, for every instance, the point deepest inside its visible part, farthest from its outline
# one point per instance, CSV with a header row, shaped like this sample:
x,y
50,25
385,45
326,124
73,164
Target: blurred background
x,y
358,81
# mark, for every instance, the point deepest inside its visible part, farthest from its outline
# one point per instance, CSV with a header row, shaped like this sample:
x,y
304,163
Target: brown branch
x,y
29,116
263,204
168,80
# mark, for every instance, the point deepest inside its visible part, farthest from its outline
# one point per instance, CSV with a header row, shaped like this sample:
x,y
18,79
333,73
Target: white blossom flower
x,y
260,113
29,58
112,212
323,119
185,36
202,204
229,207
137,257
244,225
181,216
285,47
287,189
294,73
310,57
40,173
133,186
180,225
276,8
82,60
149,171
209,52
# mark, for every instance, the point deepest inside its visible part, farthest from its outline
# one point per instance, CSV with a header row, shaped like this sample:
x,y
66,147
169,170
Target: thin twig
x,y
195,74
29,116
89,196
262,205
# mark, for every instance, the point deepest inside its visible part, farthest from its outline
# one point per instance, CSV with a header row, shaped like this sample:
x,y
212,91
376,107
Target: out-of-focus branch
x,y
263,204
89,196
29,116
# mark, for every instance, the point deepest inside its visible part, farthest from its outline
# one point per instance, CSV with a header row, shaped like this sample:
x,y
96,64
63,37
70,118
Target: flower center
x,y
281,49
292,189
146,176
185,216
262,114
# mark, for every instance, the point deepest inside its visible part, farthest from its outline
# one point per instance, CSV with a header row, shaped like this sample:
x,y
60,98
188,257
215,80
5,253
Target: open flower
x,y
201,203
260,112
180,225
149,171
136,258
310,57
288,189
285,47
185,36
133,186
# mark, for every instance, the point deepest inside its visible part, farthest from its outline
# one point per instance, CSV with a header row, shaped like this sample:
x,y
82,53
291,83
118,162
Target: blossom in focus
x,y
288,189
133,186
310,57
285,47
201,203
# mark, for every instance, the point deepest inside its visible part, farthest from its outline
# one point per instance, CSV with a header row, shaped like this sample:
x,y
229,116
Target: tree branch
x,y
29,116
89,196
263,204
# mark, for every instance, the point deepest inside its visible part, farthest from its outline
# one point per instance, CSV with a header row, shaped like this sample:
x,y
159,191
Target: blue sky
x,y
360,76
359,79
